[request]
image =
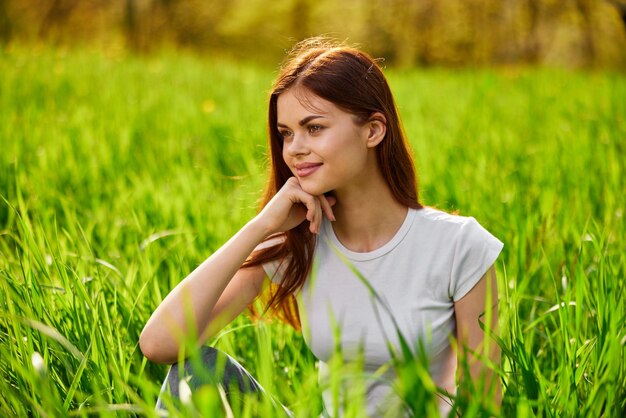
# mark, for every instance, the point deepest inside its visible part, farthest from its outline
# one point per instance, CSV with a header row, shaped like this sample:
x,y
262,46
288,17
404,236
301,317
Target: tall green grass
x,y
119,175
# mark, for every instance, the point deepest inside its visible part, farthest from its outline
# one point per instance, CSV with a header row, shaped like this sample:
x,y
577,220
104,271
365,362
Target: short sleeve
x,y
475,251
275,268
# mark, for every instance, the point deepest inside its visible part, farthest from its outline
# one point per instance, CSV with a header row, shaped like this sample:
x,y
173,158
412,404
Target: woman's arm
x,y
483,298
219,289
215,286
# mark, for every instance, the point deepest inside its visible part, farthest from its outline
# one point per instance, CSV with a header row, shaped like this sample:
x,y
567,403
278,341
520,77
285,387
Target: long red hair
x,y
354,82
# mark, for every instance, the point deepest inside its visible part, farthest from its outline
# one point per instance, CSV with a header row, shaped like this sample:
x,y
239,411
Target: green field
x,y
119,175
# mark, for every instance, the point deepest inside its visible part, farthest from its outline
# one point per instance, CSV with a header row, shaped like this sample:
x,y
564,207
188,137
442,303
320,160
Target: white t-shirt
x,y
433,260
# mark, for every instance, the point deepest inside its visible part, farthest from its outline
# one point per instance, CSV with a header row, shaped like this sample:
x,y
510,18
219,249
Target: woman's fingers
x,y
327,203
309,201
314,209
313,215
318,216
316,206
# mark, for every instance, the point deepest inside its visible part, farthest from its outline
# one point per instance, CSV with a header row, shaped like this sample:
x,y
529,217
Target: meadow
x,y
120,174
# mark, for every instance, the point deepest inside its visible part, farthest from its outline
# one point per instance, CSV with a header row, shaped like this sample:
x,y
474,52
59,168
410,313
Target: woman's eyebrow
x,y
309,119
302,122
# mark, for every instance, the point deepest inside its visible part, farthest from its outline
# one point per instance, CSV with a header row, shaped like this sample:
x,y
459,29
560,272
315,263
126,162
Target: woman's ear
x,y
377,125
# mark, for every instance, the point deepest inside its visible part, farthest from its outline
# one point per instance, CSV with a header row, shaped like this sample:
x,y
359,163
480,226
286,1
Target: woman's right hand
x,y
291,206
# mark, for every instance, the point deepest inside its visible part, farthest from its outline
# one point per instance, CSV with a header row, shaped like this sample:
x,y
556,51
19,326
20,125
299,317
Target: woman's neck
x,y
367,217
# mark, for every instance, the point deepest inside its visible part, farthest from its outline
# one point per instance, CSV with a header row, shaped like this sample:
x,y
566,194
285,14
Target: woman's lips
x,y
306,169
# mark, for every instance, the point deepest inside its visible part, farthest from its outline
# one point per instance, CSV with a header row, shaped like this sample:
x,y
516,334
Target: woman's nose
x,y
298,145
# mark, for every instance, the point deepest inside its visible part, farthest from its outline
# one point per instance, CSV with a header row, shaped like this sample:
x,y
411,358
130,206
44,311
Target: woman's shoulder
x,y
452,228
434,222
438,217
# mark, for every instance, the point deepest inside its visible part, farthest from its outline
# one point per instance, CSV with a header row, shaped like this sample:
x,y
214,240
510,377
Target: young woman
x,y
342,195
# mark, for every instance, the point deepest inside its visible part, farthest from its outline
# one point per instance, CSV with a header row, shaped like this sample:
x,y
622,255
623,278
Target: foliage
x,y
119,175
569,33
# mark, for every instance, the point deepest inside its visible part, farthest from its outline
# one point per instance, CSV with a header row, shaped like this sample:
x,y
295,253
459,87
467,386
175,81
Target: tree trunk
x,y
620,5
585,9
56,15
5,23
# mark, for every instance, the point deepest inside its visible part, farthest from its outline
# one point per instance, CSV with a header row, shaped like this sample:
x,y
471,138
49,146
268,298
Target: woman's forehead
x,y
302,100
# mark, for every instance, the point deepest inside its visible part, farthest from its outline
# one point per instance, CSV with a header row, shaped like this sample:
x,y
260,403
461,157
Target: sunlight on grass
x,y
117,180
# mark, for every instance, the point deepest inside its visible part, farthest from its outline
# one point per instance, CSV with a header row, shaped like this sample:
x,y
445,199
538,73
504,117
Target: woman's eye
x,y
285,135
315,128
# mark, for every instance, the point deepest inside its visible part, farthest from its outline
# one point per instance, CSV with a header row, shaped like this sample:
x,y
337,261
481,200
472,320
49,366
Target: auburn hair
x,y
354,82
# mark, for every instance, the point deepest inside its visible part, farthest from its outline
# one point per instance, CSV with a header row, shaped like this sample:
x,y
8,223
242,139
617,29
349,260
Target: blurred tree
x,y
620,5
197,22
533,41
585,10
5,22
131,24
300,19
405,27
574,33
609,29
56,16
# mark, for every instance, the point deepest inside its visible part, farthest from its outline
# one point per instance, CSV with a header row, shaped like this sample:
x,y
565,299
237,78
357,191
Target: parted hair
x,y
354,82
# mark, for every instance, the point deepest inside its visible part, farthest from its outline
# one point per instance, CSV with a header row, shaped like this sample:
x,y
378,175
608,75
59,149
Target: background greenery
x,y
120,174
565,33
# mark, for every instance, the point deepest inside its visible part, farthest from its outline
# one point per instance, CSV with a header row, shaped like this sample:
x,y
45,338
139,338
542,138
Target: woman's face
x,y
323,146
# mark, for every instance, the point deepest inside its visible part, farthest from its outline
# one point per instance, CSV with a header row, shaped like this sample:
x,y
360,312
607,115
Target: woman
x,y
343,194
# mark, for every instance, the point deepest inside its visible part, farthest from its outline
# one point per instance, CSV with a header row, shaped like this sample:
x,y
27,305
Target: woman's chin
x,y
314,189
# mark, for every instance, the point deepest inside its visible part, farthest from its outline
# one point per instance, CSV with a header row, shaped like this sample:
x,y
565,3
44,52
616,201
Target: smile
x,y
306,169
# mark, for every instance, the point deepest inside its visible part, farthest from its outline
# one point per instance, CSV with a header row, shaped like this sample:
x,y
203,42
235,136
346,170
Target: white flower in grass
x,y
38,364
184,391
48,259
